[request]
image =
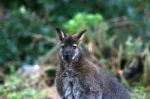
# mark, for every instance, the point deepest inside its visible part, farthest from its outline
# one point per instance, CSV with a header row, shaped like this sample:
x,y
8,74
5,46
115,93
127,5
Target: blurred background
x,y
117,39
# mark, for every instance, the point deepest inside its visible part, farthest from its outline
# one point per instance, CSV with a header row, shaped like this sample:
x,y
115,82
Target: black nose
x,y
67,54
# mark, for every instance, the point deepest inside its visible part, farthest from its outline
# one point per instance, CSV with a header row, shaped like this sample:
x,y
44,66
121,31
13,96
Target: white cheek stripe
x,y
61,54
76,53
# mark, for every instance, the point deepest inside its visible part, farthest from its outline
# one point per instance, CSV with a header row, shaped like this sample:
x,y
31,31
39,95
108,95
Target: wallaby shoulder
x,y
109,85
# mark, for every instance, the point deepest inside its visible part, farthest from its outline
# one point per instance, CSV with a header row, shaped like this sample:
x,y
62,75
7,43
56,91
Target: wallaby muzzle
x,y
68,54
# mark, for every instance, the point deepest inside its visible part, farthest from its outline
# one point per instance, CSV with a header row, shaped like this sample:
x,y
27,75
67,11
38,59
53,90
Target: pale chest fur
x,y
73,89
71,85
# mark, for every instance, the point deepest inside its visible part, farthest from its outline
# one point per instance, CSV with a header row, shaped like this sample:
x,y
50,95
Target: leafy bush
x,y
84,20
23,36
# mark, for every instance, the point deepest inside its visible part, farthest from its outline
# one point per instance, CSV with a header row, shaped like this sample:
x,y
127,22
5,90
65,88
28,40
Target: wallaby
x,y
78,78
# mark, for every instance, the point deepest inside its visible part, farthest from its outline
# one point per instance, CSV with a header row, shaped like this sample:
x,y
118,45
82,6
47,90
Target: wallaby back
x,y
78,78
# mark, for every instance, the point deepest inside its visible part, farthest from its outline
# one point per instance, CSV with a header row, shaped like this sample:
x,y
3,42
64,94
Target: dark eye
x,y
62,45
74,46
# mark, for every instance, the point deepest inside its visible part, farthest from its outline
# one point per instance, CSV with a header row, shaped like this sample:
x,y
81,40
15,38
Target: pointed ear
x,y
79,36
61,34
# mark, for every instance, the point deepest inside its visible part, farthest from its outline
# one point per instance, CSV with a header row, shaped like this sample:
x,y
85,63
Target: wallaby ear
x,y
60,34
79,36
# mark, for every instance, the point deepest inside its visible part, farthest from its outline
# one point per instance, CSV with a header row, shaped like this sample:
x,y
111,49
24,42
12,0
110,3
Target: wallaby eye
x,y
74,46
62,45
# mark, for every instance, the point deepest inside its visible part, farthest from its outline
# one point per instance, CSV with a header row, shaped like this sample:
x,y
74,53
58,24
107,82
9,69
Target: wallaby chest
x,y
71,85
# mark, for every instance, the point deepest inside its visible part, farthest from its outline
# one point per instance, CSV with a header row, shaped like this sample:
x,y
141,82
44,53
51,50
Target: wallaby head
x,y
70,50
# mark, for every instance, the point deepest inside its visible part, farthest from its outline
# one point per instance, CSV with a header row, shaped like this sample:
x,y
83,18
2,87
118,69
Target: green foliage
x,y
18,32
138,91
14,88
85,21
25,19
133,46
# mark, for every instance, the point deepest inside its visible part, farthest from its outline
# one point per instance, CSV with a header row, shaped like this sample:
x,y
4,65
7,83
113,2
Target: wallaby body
x,y
78,78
